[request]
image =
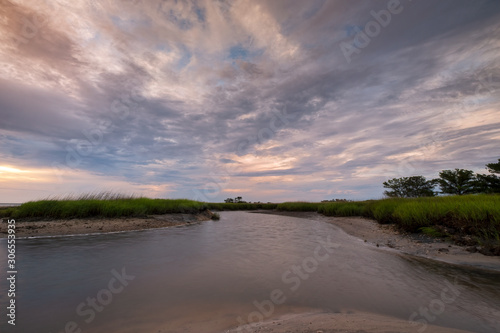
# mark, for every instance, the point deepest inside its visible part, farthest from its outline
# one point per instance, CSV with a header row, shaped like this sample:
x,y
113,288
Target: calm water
x,y
201,278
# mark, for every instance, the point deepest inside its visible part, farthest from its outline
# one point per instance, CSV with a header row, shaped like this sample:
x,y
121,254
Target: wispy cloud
x,y
178,98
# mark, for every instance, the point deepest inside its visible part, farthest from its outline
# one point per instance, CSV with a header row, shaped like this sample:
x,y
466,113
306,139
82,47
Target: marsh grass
x,y
341,208
104,204
476,215
299,206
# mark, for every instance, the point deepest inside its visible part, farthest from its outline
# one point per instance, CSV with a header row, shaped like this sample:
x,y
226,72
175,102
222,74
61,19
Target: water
x,y
202,278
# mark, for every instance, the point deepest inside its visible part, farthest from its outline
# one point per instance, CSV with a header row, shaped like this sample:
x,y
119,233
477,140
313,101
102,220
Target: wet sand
x,y
383,237
100,225
348,322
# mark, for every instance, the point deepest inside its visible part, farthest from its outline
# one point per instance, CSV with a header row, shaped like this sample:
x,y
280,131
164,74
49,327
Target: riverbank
x,y
348,322
102,225
470,220
387,236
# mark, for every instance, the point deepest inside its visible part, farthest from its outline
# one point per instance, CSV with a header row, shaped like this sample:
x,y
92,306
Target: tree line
x,y
454,182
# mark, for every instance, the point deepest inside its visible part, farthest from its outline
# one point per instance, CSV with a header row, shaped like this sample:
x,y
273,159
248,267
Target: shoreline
x,y
368,231
338,322
386,237
73,227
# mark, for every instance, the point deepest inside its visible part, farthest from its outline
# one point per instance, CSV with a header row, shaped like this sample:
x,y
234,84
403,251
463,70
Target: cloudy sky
x,y
268,100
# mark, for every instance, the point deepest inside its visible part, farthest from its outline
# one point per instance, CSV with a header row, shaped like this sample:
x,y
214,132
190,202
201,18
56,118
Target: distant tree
x,y
458,181
229,200
410,187
238,199
336,200
494,167
489,183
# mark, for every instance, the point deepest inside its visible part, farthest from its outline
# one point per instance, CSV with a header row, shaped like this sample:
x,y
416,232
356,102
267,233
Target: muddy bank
x,y
101,225
371,233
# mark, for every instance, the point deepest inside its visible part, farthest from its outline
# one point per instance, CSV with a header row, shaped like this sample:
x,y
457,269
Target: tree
x,y
489,183
410,187
235,200
494,167
458,181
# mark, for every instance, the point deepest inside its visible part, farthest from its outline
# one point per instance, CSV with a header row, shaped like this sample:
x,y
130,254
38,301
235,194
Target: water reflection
x,y
202,277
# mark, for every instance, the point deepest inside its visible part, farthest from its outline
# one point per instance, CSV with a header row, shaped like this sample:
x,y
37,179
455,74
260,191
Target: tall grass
x,y
110,205
326,208
342,208
101,205
473,214
477,215
299,206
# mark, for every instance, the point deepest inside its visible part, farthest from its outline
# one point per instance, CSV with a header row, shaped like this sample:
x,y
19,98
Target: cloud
x,y
173,94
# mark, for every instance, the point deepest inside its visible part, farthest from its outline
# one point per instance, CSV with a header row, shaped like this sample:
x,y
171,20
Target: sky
x,y
268,100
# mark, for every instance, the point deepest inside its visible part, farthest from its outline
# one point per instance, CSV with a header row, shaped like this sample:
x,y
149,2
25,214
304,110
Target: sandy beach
x,y
384,237
101,225
345,322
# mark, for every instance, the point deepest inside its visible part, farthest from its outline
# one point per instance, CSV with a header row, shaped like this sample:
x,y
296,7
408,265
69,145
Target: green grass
x,y
111,205
342,208
325,208
476,215
299,206
382,210
101,205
